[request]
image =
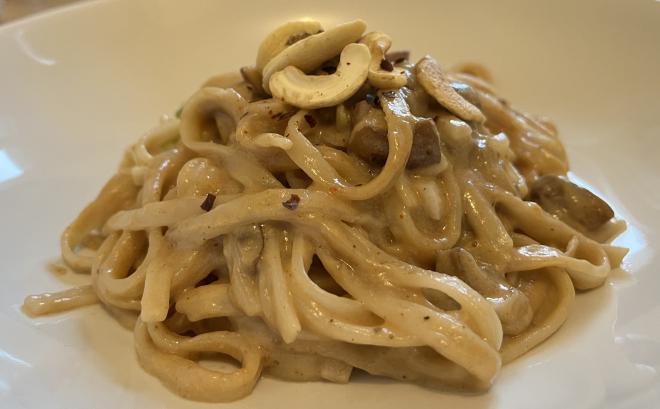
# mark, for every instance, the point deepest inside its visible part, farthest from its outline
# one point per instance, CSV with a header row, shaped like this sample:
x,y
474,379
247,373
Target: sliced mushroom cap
x,y
426,145
382,73
320,91
467,92
433,79
310,53
570,203
284,36
511,305
369,138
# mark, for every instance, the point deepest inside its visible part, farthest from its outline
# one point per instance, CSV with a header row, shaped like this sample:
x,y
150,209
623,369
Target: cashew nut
x,y
284,36
379,43
309,53
320,91
434,81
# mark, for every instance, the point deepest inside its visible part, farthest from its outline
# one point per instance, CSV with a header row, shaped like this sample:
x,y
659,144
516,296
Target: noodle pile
x,y
337,207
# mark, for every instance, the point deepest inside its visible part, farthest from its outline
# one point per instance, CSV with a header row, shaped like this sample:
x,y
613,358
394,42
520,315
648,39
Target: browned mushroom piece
x,y
511,305
426,145
570,203
437,83
467,92
368,138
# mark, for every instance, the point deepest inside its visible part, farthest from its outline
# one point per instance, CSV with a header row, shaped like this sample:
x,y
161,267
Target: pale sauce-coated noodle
x,y
389,216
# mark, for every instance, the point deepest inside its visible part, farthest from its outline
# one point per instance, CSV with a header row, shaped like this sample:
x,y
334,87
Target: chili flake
x,y
207,204
292,202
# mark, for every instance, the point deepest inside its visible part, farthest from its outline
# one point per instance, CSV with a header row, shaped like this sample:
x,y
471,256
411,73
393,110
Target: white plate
x,y
79,84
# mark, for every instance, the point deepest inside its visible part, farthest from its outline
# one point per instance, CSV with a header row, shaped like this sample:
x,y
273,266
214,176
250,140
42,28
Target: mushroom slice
x,y
368,139
284,36
320,91
426,145
510,303
433,79
309,53
382,73
570,203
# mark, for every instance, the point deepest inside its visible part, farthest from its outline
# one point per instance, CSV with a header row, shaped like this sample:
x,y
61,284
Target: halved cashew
x,y
379,43
434,81
309,53
284,36
320,91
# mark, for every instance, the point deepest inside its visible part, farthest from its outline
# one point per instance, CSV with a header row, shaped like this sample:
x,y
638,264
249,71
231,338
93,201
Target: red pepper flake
x,y
311,121
386,65
292,202
207,204
296,37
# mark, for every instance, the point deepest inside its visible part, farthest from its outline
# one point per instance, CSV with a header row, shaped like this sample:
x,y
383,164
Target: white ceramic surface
x,y
80,83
